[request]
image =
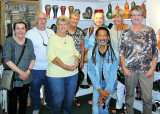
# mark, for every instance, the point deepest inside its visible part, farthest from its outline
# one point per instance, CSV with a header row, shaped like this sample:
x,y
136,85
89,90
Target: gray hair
x,y
38,15
63,19
74,14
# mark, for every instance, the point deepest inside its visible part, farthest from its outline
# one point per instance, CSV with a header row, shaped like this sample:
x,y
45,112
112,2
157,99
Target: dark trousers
x,y
79,79
22,93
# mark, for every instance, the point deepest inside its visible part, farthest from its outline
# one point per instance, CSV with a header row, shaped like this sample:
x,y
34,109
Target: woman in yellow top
x,y
62,68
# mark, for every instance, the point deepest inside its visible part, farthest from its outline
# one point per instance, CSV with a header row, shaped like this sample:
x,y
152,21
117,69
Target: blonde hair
x,y
117,12
102,15
74,14
63,19
137,8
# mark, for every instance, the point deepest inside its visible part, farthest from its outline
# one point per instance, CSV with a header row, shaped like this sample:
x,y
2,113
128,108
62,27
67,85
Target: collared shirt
x,y
139,48
109,70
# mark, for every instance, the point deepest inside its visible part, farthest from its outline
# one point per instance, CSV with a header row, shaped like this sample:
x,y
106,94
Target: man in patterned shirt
x,y
77,34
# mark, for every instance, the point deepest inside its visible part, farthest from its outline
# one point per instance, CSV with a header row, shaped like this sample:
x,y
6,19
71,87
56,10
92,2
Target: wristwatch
x,y
29,69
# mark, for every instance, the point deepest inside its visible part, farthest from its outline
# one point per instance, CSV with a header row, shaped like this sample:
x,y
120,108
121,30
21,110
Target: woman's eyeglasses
x,y
138,15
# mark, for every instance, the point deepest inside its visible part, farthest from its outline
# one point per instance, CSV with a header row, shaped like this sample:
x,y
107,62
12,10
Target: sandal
x,y
76,102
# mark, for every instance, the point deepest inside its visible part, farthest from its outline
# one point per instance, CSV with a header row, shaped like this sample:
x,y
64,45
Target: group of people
x,y
54,60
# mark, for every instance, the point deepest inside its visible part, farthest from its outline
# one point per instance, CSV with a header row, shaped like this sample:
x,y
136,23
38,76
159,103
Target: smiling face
x,y
102,37
41,20
136,17
20,30
98,19
118,20
74,21
62,27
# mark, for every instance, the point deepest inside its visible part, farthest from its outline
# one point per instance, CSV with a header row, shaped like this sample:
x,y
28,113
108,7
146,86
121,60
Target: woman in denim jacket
x,y
102,69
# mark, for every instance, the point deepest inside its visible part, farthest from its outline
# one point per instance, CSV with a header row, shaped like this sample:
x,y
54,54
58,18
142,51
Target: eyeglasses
x,y
138,15
42,19
43,38
43,42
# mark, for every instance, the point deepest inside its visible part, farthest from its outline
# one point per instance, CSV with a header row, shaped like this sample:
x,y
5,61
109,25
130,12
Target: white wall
x,y
153,14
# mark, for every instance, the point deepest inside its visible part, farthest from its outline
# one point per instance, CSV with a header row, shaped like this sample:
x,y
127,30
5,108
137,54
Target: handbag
x,y
120,76
7,81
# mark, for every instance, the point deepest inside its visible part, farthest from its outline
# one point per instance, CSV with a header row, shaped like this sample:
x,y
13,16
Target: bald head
x,y
41,21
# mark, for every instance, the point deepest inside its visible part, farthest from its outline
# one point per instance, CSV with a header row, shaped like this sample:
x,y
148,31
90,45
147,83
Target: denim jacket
x,y
109,70
89,40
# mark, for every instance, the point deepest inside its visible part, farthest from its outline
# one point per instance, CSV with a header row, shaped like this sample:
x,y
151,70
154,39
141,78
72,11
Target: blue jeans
x,y
95,108
62,89
39,78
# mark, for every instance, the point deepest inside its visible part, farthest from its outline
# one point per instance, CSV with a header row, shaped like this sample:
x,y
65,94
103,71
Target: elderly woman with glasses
x,y
138,54
62,68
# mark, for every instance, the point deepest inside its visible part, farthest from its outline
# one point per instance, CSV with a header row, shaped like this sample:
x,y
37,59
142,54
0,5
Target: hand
x,y
23,75
150,73
81,64
104,93
69,68
28,72
88,49
100,101
126,72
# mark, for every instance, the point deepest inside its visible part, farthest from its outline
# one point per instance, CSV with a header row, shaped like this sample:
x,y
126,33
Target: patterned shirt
x,y
139,48
77,37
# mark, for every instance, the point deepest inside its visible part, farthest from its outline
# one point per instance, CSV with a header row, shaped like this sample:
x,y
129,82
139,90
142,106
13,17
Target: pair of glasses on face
x,y
42,19
138,15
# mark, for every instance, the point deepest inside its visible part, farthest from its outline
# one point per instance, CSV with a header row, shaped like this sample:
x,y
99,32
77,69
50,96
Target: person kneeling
x,y
102,69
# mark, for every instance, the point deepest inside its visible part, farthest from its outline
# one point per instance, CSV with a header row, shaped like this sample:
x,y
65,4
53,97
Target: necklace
x,y
119,37
63,37
42,37
65,41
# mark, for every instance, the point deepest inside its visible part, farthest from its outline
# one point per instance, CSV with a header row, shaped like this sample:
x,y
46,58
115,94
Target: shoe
x,y
138,98
90,102
117,111
35,112
76,102
48,107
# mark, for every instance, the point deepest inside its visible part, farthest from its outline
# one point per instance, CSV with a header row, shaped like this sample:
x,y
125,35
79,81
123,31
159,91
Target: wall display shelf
x,y
78,4
15,9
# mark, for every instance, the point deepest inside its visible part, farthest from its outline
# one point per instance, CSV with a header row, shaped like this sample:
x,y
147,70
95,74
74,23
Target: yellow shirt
x,y
64,49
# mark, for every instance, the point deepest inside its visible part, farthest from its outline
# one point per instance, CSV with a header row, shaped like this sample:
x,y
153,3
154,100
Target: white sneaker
x,y
35,112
